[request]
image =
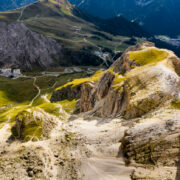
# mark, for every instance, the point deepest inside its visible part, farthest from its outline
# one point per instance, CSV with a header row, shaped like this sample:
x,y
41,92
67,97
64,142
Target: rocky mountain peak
x,y
141,80
22,48
142,88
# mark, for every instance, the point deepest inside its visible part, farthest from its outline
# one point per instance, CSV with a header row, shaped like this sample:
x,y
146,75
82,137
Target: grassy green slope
x,y
79,36
16,95
21,98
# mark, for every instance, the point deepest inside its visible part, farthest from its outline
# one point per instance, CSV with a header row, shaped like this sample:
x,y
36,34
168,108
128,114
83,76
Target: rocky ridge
x,y
142,86
135,79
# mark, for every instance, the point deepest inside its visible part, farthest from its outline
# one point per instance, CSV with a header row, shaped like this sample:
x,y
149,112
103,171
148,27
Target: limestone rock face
x,y
41,160
155,140
115,103
24,49
104,84
143,79
93,93
124,64
141,90
87,100
68,92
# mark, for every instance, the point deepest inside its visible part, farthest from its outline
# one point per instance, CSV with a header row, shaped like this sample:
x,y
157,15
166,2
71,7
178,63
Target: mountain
x,y
14,4
120,87
85,40
157,17
75,126
24,49
141,90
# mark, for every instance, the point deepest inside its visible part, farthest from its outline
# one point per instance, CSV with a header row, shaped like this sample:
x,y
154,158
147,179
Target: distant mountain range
x,y
85,39
157,16
13,4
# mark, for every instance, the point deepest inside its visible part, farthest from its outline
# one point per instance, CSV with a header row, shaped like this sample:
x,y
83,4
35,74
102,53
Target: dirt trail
x,y
102,140
105,169
39,91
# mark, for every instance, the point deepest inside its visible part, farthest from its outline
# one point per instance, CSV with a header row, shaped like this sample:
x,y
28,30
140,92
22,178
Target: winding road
x,y
39,91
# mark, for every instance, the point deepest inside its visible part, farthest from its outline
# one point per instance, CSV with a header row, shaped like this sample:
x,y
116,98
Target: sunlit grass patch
x,y
76,82
66,11
17,90
148,56
68,106
38,101
51,108
11,113
176,104
31,126
54,2
4,100
117,81
59,109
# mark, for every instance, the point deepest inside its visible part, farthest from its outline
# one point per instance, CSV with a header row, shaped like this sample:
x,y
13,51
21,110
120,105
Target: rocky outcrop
x,y
92,93
89,91
150,80
104,84
34,125
115,103
24,49
73,90
124,64
142,89
43,160
131,87
67,93
87,100
154,140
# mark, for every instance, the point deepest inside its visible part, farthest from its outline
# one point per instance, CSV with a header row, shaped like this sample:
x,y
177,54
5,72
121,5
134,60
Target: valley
x,y
79,35
157,17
